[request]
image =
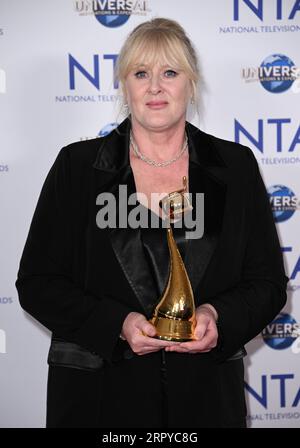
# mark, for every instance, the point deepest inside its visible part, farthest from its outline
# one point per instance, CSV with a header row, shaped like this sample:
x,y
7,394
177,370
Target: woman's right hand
x,y
139,332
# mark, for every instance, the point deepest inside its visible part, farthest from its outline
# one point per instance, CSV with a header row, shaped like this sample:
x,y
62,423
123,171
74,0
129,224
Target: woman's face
x,y
157,96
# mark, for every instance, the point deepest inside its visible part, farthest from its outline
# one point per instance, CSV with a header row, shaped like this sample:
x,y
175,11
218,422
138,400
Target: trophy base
x,y
173,329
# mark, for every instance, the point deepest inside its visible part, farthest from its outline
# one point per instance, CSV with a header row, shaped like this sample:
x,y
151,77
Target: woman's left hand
x,y
205,332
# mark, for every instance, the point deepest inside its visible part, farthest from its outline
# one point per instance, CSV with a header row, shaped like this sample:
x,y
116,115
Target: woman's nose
x,y
155,84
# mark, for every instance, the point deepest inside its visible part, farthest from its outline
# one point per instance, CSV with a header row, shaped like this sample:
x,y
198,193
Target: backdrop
x,y
57,63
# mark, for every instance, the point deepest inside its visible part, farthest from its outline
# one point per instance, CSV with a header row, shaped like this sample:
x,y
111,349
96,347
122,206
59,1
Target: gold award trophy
x,y
174,316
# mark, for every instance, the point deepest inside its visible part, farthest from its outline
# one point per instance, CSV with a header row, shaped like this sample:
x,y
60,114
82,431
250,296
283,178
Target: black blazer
x,y
81,281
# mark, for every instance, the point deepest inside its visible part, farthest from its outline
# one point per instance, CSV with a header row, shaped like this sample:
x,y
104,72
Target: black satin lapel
x,y
129,251
200,250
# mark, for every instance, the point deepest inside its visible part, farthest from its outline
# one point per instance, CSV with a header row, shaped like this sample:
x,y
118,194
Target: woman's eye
x,y
141,74
170,73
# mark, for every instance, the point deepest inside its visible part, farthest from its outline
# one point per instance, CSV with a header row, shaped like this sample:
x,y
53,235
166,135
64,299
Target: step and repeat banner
x,y
57,61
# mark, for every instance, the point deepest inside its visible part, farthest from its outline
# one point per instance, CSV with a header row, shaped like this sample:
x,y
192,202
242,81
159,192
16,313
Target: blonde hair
x,y
159,40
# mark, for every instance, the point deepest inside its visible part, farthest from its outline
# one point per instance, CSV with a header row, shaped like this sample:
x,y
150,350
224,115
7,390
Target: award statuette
x,y
174,316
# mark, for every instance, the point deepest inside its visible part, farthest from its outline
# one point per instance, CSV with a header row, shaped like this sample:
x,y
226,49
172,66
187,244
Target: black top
x,y
155,244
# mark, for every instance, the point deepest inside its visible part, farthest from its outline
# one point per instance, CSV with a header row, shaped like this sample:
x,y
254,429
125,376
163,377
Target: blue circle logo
x,y
277,73
113,16
283,202
112,20
281,333
107,129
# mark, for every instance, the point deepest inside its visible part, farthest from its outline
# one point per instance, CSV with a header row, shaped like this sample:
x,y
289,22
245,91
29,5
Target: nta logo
x,y
281,380
283,201
259,8
296,270
93,78
277,128
111,13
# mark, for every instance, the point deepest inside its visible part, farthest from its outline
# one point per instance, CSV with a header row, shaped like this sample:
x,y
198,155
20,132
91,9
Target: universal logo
x,y
283,202
111,13
2,341
282,333
2,81
276,73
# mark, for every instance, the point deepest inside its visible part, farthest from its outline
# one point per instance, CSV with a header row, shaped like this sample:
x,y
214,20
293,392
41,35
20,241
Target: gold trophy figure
x,y
174,316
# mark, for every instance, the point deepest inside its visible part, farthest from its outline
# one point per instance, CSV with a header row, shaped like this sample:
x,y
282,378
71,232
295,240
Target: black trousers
x,y
125,398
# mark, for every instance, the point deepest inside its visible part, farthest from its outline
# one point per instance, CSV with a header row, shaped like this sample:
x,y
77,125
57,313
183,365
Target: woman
x,y
95,286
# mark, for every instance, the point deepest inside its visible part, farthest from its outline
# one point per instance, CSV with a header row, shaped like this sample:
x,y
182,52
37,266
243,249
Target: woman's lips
x,y
157,104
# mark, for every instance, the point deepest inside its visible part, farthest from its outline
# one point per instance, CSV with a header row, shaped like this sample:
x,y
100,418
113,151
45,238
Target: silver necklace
x,y
153,162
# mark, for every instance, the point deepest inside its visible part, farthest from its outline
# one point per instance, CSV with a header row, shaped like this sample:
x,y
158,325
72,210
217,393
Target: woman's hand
x,y
139,332
206,332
